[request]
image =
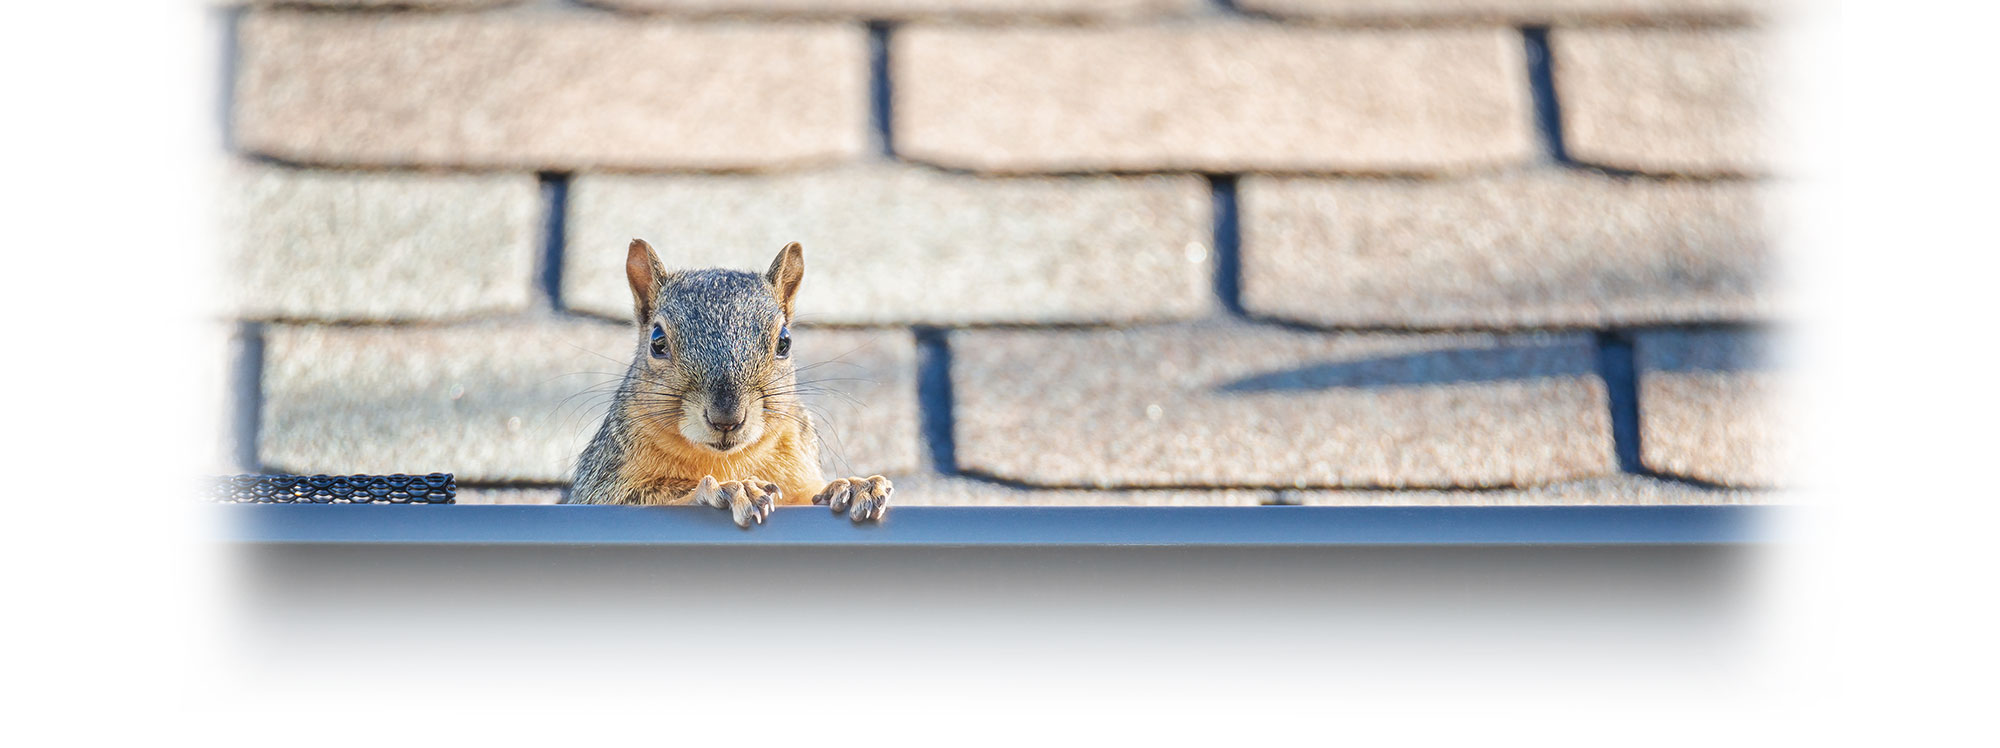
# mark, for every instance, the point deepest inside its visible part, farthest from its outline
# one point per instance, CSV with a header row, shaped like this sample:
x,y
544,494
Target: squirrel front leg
x,y
867,498
747,500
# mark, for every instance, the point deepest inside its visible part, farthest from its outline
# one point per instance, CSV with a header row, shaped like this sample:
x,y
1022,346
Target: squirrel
x,y
708,412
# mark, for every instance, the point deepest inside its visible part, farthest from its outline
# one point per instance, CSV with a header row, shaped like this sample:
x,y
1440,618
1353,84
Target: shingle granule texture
x,y
1517,11
525,495
1711,408
900,245
1619,490
1220,99
920,9
375,4
861,386
516,402
380,246
1665,101
549,91
1533,249
931,489
1237,405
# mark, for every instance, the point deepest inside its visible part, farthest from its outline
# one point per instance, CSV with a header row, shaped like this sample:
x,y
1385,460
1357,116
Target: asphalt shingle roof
x,y
1108,252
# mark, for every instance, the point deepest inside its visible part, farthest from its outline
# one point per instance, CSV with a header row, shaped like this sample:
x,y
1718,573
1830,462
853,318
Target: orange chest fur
x,y
667,460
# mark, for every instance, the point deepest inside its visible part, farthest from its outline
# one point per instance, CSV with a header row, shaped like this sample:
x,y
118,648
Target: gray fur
x,y
721,325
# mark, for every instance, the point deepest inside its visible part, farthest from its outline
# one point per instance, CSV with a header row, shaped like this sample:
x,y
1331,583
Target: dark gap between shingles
x,y
1616,364
934,399
878,86
1227,241
246,388
1542,87
230,19
555,201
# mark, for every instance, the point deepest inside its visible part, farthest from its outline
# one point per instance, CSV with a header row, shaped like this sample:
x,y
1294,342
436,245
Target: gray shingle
x,y
1518,11
917,9
1533,249
931,489
380,246
1235,405
482,495
1618,490
1665,101
874,429
548,90
888,244
1213,97
375,4
1710,408
222,351
513,402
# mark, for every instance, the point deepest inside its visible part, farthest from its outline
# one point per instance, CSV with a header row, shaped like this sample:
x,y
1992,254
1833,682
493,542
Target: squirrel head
x,y
714,359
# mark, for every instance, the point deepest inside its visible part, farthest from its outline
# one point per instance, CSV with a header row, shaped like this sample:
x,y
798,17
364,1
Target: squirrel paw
x,y
747,500
868,498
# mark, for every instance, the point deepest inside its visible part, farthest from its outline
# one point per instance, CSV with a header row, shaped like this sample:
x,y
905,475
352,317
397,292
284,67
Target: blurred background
x,y
1058,251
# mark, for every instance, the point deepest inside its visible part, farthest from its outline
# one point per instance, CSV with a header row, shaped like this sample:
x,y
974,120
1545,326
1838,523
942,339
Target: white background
x,y
1872,622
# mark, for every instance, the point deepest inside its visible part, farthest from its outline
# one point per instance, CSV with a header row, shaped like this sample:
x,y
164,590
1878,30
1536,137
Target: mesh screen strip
x,y
435,488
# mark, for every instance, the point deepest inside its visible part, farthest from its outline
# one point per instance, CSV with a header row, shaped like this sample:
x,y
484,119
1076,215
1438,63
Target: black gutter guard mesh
x,y
435,488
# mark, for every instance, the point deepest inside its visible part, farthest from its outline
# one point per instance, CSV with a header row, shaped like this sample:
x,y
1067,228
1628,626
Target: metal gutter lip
x,y
922,526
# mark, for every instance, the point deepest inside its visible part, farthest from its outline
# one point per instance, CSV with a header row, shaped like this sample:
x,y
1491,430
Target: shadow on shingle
x,y
1710,350
1452,366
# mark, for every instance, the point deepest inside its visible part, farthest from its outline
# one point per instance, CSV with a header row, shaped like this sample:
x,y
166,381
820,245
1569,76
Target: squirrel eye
x,y
784,342
659,341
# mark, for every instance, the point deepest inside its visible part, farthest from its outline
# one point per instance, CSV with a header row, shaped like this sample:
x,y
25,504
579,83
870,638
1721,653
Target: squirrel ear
x,y
643,271
787,269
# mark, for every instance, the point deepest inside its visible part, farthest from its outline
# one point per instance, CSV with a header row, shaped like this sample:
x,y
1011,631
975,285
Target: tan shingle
x,y
1534,249
913,9
931,489
1666,101
1618,490
1210,98
371,4
874,428
478,495
1710,408
220,353
548,90
1517,11
513,402
353,246
891,244
1224,404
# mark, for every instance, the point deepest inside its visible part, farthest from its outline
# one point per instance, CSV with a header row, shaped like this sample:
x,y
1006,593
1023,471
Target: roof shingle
x,y
918,9
1624,490
1217,98
1516,11
377,4
1049,167
1664,101
517,402
931,489
1238,405
1544,248
547,90
380,246
888,244
1709,407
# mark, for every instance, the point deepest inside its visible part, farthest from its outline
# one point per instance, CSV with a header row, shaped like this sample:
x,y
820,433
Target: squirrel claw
x,y
862,499
747,500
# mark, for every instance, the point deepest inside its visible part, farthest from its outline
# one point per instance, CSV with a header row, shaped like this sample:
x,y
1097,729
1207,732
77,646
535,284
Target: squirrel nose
x,y
724,424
